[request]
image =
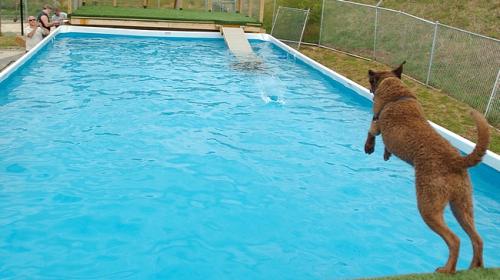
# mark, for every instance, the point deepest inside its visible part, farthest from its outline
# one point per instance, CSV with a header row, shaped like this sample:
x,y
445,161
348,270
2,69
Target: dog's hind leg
x,y
436,223
463,211
431,207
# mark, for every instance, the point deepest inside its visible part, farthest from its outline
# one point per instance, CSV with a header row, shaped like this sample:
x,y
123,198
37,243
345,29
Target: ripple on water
x,y
159,158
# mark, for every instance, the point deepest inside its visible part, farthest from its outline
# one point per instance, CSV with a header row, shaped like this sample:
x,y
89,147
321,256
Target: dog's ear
x,y
371,73
399,71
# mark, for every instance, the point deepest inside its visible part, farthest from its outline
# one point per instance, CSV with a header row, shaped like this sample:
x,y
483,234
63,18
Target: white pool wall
x,y
491,159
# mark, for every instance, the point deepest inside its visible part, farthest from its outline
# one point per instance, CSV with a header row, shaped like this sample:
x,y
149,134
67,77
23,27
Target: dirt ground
x,y
8,26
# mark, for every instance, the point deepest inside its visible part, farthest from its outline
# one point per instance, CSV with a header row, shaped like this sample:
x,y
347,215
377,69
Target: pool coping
x,y
491,159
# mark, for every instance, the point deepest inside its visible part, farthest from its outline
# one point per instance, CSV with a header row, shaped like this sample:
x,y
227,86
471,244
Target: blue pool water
x,y
143,158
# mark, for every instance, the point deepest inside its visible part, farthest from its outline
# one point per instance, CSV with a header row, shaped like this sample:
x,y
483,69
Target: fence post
x,y
375,31
432,53
492,96
321,22
22,16
274,12
274,23
261,11
303,28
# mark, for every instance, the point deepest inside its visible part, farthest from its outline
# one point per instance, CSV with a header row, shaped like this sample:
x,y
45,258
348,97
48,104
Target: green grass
x,y
480,16
164,14
8,42
439,107
475,274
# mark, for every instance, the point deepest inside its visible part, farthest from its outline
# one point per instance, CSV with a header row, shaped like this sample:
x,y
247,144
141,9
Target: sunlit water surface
x,y
140,158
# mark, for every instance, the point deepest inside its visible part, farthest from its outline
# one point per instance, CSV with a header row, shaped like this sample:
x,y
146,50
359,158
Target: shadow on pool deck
x,y
9,56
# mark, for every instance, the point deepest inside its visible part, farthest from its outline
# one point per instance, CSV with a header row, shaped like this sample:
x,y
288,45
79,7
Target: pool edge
x,y
18,63
491,159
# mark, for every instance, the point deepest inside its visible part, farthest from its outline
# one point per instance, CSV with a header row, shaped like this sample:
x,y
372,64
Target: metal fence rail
x,y
289,25
462,63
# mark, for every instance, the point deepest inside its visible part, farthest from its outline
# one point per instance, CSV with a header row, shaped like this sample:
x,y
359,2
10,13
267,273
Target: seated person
x,y
59,16
34,33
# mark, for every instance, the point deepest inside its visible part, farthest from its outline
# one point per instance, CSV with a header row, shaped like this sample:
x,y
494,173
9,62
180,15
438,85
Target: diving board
x,y
237,41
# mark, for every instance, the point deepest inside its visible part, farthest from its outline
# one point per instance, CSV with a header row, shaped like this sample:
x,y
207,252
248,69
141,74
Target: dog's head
x,y
377,77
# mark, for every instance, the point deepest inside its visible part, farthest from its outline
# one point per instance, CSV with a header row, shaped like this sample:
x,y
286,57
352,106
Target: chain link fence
x,y
311,31
466,66
493,107
289,25
399,37
11,22
462,63
249,8
350,30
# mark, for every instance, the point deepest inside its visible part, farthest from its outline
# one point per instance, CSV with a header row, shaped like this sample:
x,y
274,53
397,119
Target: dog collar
x,y
376,116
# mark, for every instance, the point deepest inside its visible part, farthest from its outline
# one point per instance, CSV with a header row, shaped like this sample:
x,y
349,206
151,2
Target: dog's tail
x,y
483,139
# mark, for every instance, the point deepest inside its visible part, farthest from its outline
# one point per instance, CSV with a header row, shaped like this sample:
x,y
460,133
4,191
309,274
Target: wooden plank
x,y
237,41
238,44
250,8
240,6
156,24
143,24
261,11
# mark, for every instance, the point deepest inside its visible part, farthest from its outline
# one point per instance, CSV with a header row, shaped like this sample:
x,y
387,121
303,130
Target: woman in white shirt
x,y
34,33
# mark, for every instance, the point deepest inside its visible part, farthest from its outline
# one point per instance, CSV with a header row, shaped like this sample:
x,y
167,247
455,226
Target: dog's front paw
x,y
369,147
387,155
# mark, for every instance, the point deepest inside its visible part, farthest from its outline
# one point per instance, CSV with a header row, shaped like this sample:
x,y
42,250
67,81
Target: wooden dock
x,y
108,16
157,24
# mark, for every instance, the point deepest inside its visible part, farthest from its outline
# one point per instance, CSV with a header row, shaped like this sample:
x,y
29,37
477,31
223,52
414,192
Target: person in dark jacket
x,y
43,19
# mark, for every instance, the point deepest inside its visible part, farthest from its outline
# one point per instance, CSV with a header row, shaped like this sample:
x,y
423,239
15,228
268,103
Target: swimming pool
x,y
158,157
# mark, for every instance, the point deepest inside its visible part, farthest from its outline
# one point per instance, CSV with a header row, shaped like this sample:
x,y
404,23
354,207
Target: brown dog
x,y
440,171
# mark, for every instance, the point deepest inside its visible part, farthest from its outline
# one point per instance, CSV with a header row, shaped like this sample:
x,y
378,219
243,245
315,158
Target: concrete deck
x,y
8,56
